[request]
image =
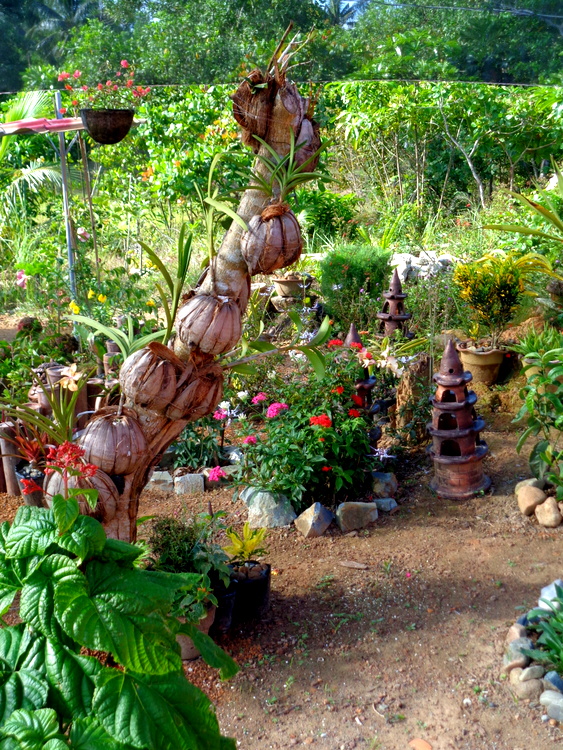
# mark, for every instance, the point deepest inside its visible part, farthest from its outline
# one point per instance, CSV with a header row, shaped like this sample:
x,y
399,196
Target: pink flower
x,y
259,397
100,86
84,87
275,408
220,414
77,74
82,234
124,64
250,440
21,279
63,76
115,87
408,575
216,474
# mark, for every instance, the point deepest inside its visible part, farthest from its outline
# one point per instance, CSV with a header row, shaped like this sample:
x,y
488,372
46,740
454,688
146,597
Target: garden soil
x,y
404,647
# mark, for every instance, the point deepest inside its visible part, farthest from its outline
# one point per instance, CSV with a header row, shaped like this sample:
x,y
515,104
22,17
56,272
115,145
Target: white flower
x,y
225,405
272,375
335,287
242,395
242,416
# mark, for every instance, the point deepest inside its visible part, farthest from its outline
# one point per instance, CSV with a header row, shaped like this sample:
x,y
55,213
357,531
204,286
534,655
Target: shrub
x,y
352,279
328,213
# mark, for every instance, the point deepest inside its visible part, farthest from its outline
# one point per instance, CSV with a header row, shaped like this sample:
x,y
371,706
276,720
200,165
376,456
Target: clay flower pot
x,y
188,651
107,126
484,366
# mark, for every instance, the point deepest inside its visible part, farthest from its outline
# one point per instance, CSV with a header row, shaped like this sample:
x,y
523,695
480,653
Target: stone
x,y
552,681
384,484
532,482
553,701
528,690
189,484
350,516
386,504
161,480
513,656
515,631
233,454
515,675
560,506
548,513
268,509
535,672
528,498
353,564
549,593
314,521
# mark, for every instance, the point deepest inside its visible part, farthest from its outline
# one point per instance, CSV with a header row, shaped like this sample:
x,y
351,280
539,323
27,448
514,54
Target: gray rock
x,y
161,480
548,513
553,701
384,484
528,690
535,672
528,498
268,509
350,516
532,482
549,593
386,504
314,521
515,631
189,484
513,656
552,681
233,454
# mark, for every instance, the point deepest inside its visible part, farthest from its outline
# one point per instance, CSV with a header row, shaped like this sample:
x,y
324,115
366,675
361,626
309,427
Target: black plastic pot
x,y
107,126
23,472
252,594
225,607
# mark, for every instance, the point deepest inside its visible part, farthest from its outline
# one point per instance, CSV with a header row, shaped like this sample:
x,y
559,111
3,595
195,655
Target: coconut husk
x,y
273,210
252,106
310,136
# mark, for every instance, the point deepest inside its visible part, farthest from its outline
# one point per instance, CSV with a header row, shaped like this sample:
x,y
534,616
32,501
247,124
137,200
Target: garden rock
x,y
268,509
189,484
529,497
314,521
350,516
386,504
553,701
552,681
528,690
548,513
532,482
384,484
549,593
513,656
233,454
515,631
535,672
161,480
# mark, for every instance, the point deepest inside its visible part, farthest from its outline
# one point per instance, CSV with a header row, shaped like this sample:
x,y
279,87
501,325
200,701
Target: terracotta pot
x,y
289,287
484,366
107,126
187,649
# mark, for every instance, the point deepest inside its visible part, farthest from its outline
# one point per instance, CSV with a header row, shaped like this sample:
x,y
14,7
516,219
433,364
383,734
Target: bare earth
x,y
409,647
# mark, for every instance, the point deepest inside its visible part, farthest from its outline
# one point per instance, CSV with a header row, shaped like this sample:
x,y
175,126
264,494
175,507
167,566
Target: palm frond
x,y
27,106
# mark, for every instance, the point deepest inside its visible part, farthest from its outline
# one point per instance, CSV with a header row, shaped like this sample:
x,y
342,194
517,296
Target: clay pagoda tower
x,y
393,315
457,449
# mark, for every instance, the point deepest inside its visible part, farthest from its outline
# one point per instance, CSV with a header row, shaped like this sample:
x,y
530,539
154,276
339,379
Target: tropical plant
x,y
197,445
548,622
245,546
127,341
536,343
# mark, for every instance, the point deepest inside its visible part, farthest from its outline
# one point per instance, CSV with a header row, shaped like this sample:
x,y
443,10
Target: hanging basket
x,y
107,126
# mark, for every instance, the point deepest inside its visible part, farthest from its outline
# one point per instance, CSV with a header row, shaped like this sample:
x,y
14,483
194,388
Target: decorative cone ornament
x,y
457,449
353,337
393,316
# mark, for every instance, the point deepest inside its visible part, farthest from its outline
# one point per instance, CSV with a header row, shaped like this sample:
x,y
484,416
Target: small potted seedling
x,y
252,577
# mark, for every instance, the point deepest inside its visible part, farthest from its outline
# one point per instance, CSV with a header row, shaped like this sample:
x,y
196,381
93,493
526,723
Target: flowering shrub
x,y
119,91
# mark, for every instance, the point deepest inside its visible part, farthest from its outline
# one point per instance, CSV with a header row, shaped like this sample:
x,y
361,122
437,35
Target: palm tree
x,y
58,18
342,13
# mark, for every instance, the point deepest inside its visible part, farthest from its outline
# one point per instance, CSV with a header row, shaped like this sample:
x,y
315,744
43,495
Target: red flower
x,y
321,440
368,355
100,86
115,87
322,420
74,103
68,87
88,470
63,76
358,400
129,83
109,83
124,64
29,486
335,342
327,468
62,110
339,389
354,413
356,345
77,74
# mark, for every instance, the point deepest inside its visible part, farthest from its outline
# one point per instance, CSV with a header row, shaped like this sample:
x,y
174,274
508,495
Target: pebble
x,y
515,675
552,681
532,482
553,701
516,631
535,672
529,498
386,504
545,718
548,513
528,690
514,657
353,564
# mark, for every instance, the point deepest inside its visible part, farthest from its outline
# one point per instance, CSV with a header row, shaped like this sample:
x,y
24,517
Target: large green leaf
x,y
121,611
86,538
10,584
33,531
32,730
65,512
21,686
161,712
89,734
37,605
71,678
120,552
210,651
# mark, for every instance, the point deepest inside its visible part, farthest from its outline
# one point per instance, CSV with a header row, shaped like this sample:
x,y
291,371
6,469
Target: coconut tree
x,y
57,19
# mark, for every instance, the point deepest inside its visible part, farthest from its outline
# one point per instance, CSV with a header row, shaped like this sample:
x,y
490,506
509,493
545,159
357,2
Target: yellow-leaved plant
x,y
247,546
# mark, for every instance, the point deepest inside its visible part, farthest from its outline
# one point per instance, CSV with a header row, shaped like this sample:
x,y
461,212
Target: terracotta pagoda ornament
x,y
457,449
393,316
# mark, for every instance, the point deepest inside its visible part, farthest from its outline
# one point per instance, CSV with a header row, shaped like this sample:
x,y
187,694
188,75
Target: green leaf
x,y
32,532
296,320
90,495
34,729
86,538
163,712
89,734
316,360
244,369
225,209
261,346
538,467
210,651
119,551
71,678
159,264
65,512
25,688
10,584
322,334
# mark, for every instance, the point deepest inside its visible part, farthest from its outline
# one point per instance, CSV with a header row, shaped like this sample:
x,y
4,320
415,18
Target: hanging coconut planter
x,y
273,240
148,377
107,126
200,396
113,441
210,324
252,106
106,506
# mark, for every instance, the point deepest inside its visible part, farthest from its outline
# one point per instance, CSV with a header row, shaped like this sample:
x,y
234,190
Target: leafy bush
x,y
352,279
197,446
328,213
550,628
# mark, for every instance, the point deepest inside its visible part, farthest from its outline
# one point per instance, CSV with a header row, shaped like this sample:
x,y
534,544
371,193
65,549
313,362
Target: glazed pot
x,y
484,366
107,126
188,651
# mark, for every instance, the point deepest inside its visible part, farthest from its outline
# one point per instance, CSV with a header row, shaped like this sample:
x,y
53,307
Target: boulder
x,y
514,656
384,484
267,509
314,521
350,516
548,513
529,497
386,504
532,482
161,480
189,484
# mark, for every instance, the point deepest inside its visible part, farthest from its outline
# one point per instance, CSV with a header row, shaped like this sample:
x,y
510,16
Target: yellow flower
x,y
70,378
151,303
91,293
102,298
73,307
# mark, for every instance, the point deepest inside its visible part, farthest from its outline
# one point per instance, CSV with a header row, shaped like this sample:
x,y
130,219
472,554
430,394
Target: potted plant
x,y
106,109
253,578
493,288
533,348
30,446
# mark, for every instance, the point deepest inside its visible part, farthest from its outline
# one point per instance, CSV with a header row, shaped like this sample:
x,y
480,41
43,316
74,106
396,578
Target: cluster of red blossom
x,y
66,459
110,85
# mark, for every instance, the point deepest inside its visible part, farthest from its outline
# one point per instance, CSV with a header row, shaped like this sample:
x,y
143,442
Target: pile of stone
x,y
532,500
427,264
529,680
